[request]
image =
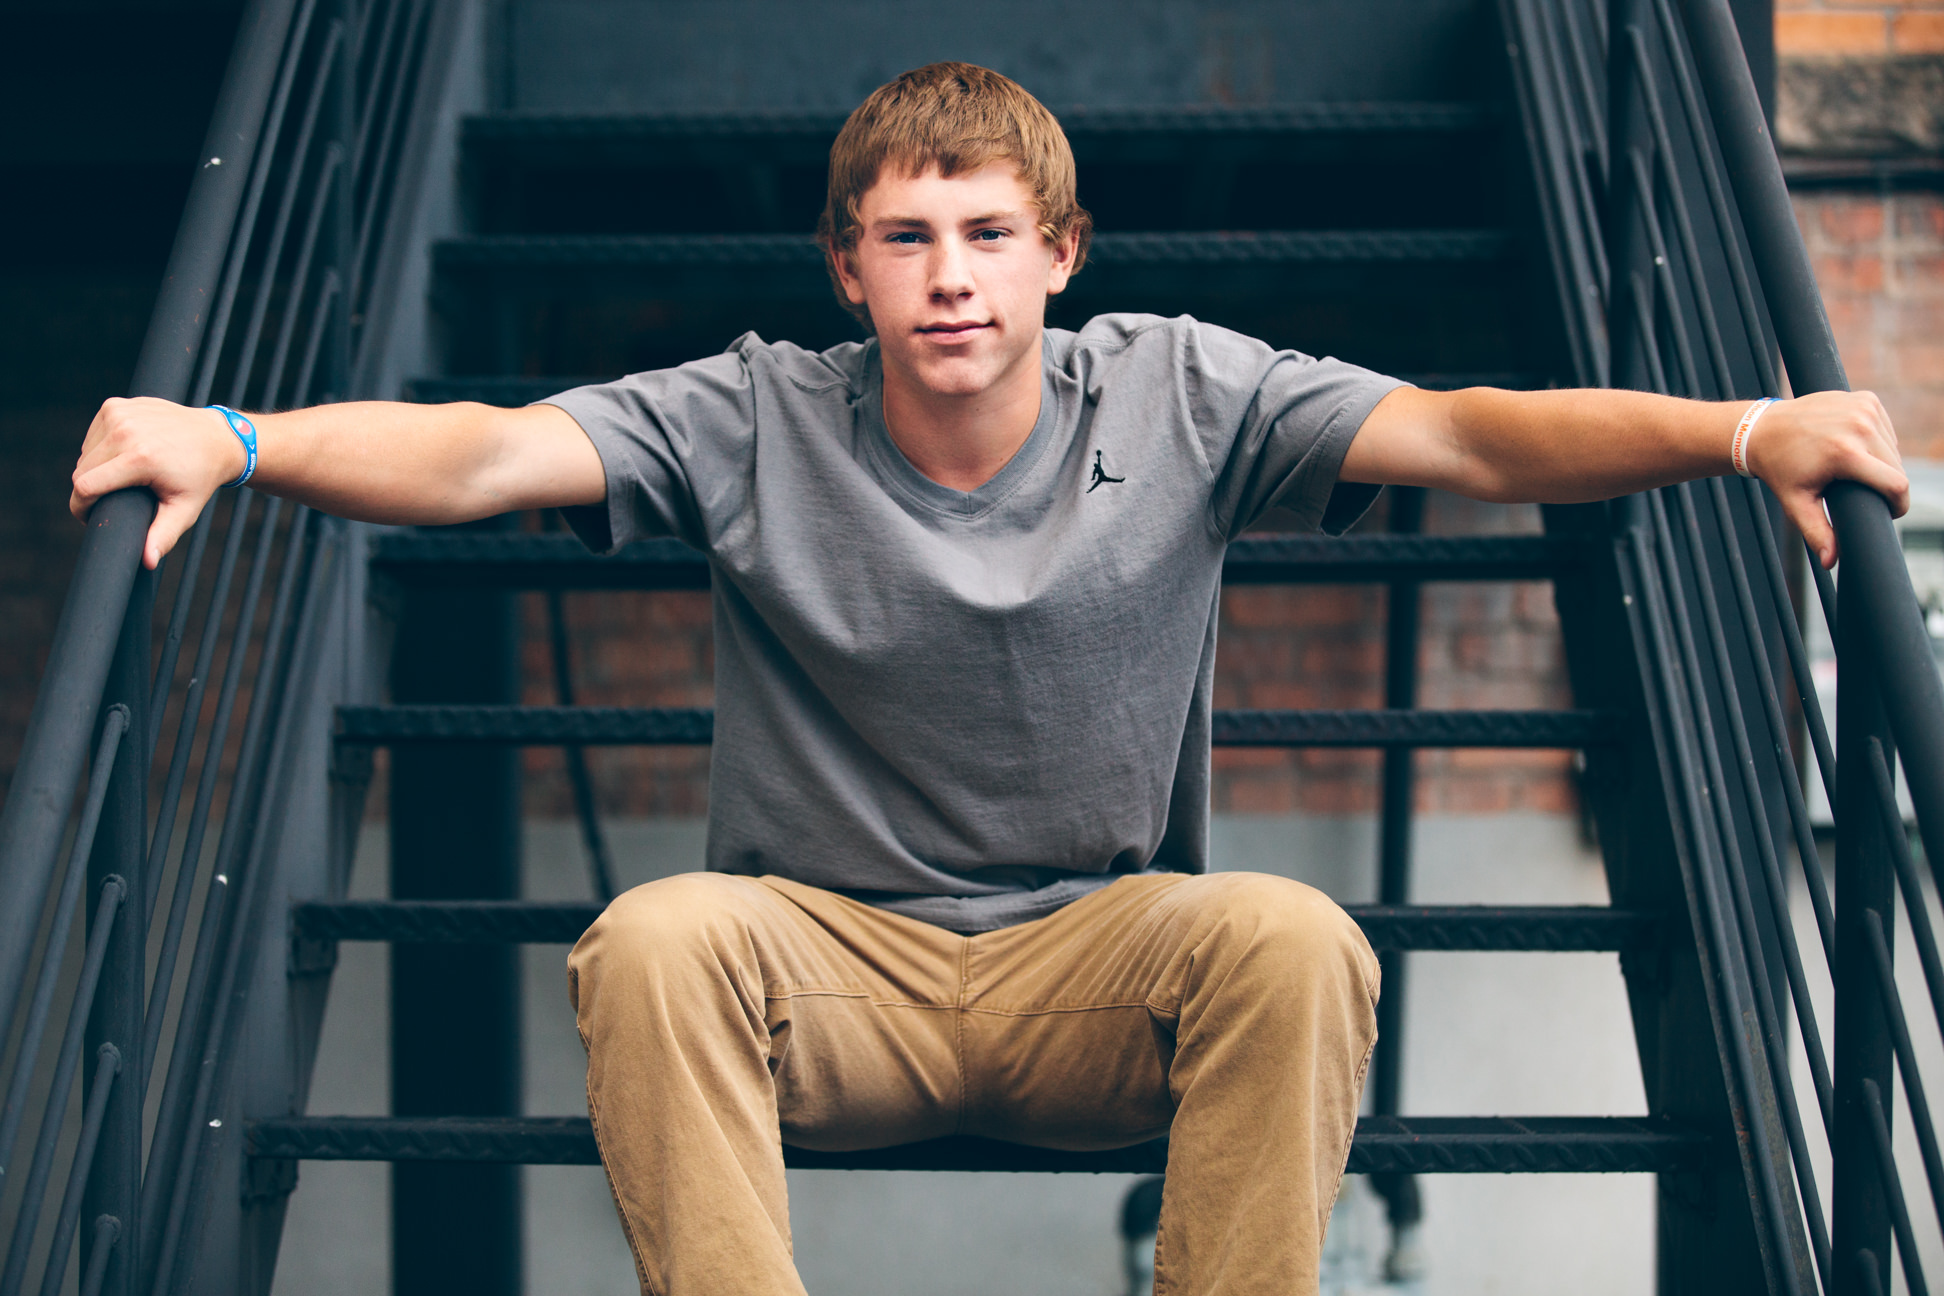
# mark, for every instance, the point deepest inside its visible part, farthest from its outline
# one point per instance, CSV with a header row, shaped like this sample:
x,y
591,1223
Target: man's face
x,y
955,274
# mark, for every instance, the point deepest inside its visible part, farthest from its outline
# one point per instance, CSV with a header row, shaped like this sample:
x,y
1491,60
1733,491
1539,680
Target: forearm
x,y
372,461
1568,447
382,461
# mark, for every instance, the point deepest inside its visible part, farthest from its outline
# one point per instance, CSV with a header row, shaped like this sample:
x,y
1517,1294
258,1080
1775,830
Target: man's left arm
x,y
1564,447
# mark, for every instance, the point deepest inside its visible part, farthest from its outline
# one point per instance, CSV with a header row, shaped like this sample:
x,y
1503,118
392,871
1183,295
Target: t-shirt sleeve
x,y
1276,426
671,442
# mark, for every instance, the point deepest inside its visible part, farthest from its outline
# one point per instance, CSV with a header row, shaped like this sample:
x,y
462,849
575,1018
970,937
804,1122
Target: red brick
x,y
1232,759
1255,655
1261,796
1354,660
1918,33
1920,276
1919,420
1821,34
1836,273
1919,216
1256,607
1920,320
1850,221
1920,363
1549,796
1283,694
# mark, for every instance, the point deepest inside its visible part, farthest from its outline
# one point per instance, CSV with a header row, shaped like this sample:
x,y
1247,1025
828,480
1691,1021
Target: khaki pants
x,y
724,1016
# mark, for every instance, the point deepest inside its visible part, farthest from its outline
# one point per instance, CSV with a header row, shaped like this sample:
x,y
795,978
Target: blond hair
x,y
958,117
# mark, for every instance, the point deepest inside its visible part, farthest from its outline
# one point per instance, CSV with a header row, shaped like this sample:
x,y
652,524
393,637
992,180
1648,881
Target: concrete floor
x,y
1526,1034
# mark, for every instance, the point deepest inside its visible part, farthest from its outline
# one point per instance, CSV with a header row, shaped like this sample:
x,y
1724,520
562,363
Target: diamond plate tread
x,y
1565,729
1416,1145
800,251
1401,927
512,392
532,725
1193,119
690,726
479,560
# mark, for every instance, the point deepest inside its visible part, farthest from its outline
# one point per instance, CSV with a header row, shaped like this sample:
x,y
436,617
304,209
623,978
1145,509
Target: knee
x,y
1295,931
689,921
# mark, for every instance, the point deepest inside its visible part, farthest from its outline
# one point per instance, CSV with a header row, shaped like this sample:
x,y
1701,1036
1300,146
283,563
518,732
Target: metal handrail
x,y
1874,572
293,179
1694,183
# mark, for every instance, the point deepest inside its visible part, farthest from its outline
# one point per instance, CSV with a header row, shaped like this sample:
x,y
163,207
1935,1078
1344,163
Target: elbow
x,y
1493,483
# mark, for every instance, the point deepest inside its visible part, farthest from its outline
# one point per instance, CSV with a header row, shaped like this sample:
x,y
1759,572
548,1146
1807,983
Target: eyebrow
x,y
915,222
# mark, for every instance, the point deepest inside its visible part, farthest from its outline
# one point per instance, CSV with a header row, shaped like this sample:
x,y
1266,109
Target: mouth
x,y
954,331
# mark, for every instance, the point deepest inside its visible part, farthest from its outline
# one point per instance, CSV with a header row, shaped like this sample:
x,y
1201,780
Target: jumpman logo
x,y
1100,477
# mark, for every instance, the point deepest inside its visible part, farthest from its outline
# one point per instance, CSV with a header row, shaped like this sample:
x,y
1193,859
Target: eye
x,y
907,238
989,235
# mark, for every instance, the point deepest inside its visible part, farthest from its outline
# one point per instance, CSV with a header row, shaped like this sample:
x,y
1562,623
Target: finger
x,y
172,518
116,474
1885,479
1805,511
97,429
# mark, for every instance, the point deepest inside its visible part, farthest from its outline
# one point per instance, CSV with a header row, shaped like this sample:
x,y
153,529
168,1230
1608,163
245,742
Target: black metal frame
x,y
1682,270
1678,267
271,274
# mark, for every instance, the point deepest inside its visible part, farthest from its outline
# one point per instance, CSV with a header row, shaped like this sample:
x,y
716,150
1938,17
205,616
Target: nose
x,y
950,271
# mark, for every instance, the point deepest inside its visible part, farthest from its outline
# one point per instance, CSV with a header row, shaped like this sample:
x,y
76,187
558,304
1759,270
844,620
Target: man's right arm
x,y
372,461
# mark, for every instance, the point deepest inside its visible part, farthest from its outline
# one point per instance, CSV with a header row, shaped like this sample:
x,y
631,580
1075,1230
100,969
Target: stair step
x,y
1383,1144
513,392
722,138
770,253
693,726
476,560
1560,928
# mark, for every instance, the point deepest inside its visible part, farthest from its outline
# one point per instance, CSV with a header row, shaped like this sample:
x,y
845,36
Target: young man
x,y
966,577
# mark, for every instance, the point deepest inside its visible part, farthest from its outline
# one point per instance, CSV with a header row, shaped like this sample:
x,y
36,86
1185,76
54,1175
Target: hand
x,y
1802,445
180,454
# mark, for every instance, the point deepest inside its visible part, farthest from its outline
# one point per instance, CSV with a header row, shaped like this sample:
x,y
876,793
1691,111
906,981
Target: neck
x,y
962,441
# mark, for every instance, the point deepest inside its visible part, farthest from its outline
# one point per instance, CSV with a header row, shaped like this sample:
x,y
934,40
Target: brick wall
x,y
1857,28
1879,258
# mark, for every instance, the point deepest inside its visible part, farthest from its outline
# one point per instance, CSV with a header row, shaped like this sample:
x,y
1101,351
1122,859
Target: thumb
x,y
172,517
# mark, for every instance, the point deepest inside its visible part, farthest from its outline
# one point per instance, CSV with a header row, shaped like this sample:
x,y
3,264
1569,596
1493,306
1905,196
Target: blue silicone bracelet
x,y
246,433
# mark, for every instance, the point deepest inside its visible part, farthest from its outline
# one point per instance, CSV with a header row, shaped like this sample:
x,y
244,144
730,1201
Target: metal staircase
x,y
1581,197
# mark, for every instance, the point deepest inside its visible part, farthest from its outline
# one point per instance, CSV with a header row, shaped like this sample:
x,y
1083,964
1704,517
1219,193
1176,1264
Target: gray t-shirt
x,y
970,707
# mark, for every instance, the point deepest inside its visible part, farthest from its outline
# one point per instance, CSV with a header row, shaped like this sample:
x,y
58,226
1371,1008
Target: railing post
x,y
1402,616
1860,1219
342,233
121,844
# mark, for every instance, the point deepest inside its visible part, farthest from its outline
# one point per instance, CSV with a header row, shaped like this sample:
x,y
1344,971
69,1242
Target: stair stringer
x,y
1683,1002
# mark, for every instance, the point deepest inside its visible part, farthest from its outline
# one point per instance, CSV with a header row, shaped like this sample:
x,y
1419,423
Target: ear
x,y
843,265
1064,254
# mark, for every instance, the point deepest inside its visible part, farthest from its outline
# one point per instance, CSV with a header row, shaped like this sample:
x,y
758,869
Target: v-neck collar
x,y
899,472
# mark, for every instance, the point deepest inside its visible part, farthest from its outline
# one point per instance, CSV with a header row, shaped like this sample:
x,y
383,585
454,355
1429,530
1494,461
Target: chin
x,y
955,375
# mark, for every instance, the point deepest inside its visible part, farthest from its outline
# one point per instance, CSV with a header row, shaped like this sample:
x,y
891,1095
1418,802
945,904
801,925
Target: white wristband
x,y
1738,448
